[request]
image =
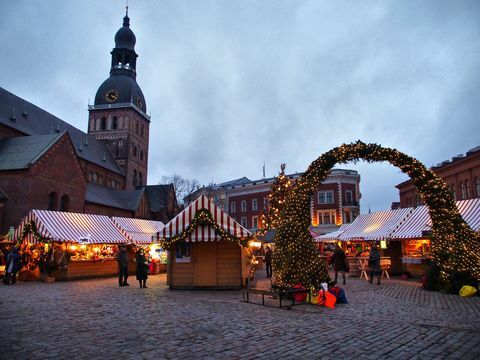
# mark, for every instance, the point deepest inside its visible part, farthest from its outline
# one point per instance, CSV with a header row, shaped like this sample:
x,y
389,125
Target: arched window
x,y
52,201
136,127
64,202
134,151
103,123
140,178
141,155
134,182
95,177
114,123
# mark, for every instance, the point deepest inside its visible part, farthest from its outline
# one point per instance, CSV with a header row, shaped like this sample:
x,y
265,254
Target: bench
x,y
276,294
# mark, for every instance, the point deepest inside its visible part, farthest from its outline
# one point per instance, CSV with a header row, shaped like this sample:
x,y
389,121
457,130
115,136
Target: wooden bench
x,y
276,294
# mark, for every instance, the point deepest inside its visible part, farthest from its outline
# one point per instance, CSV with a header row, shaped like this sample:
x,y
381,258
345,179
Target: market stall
x,y
143,233
205,249
71,245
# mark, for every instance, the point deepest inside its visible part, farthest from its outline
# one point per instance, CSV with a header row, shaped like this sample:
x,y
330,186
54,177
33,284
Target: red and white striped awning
x,y
375,226
420,221
202,233
72,227
138,231
332,236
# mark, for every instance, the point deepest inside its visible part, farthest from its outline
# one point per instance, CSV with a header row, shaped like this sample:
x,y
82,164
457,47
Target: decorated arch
x,y
455,246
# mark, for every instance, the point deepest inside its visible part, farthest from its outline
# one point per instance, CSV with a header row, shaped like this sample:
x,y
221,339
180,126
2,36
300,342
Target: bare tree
x,y
183,187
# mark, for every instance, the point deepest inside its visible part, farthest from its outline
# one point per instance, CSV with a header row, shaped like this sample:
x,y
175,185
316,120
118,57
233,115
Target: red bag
x,y
301,297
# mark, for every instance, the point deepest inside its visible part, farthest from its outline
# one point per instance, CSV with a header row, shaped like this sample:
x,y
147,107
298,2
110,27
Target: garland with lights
x,y
31,228
455,246
203,217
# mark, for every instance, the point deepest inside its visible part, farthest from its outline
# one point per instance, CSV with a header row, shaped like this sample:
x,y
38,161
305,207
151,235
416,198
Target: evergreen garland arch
x,y
455,246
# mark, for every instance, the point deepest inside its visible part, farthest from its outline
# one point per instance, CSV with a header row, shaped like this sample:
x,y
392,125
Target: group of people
x,y
339,261
142,266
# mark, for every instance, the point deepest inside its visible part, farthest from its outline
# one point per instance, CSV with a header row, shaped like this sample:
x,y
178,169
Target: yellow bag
x,y
467,290
314,296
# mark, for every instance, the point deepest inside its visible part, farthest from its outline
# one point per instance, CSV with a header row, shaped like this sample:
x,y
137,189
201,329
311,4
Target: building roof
x,y
20,152
120,199
158,196
29,119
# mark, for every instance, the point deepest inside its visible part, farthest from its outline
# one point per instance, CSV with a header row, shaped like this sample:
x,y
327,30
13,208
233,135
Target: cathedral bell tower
x,y
118,115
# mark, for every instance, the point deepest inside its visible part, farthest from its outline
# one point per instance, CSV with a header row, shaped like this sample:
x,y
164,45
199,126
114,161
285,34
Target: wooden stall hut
x,y
143,233
413,235
86,244
205,248
374,227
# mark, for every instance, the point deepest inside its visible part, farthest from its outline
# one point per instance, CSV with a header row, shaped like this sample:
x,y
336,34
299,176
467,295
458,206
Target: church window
x,y
136,127
140,178
52,201
142,131
141,155
114,123
64,202
134,151
95,177
134,183
125,122
103,123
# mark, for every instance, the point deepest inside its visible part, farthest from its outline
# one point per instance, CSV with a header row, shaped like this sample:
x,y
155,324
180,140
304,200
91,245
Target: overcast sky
x,y
231,84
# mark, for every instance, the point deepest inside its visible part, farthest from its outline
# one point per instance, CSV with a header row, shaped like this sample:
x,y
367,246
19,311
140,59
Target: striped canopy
x,y
71,227
375,226
334,235
202,233
420,221
138,231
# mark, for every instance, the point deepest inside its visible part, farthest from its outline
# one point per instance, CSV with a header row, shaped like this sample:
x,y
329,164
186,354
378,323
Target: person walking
x,y
339,261
268,262
374,264
142,268
122,259
12,266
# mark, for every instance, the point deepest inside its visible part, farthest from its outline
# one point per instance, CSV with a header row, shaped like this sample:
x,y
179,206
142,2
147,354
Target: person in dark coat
x,y
13,265
142,268
339,261
374,264
268,262
122,259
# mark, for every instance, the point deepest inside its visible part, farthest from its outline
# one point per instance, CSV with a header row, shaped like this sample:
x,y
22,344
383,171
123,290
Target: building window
x,y
182,251
134,180
463,191
244,205
141,155
347,217
233,207
95,177
64,202
418,201
140,178
134,151
243,222
52,201
477,186
349,197
142,131
467,188
326,217
114,123
325,197
254,205
136,127
103,123
255,222
265,203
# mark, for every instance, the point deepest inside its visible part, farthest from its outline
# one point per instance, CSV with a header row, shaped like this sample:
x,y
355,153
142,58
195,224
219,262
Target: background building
x,y
46,163
461,174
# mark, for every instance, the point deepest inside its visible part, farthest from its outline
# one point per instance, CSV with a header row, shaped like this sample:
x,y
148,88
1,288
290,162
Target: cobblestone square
x,y
97,319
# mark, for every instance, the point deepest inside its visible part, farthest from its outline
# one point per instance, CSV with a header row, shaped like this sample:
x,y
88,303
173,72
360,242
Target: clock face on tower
x,y
139,102
111,96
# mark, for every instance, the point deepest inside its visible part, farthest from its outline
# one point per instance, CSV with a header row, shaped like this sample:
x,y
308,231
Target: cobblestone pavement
x,y
97,319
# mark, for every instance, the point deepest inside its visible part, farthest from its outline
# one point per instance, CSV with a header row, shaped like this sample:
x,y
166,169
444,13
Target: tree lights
x,y
455,246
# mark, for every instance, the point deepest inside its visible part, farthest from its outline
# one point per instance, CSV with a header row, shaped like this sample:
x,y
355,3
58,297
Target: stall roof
x,y
334,235
72,227
420,221
203,233
375,226
138,231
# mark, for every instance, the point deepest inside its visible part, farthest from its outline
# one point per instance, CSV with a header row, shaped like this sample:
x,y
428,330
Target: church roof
x,y
120,199
158,196
30,119
20,152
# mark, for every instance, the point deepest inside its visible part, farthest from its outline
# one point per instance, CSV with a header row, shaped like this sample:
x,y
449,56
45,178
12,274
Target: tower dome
x,y
125,38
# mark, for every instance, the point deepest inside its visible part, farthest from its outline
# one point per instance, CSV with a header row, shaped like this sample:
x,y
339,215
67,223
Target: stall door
x,y
204,256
